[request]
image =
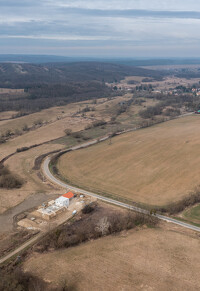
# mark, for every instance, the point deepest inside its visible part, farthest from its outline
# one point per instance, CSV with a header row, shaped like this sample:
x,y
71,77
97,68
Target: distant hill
x,y
35,59
159,62
41,59
20,75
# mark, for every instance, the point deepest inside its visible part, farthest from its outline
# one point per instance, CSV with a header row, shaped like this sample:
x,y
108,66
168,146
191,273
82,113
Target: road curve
x,y
55,180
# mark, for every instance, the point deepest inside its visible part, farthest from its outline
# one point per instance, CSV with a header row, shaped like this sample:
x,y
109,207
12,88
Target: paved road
x,y
53,179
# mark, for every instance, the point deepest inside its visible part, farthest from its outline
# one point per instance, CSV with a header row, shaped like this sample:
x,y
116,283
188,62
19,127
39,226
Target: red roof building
x,y
68,195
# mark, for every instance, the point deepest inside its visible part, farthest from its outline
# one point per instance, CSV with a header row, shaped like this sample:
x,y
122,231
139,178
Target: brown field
x,y
165,258
156,165
10,91
48,115
6,115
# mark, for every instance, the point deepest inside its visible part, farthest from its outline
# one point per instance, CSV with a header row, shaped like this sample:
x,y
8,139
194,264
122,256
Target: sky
x,y
107,28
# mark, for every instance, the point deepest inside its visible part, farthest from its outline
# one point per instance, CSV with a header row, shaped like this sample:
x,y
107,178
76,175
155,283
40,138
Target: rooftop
x,y
68,195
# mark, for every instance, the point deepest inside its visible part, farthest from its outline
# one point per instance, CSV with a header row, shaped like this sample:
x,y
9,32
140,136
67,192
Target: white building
x,y
62,202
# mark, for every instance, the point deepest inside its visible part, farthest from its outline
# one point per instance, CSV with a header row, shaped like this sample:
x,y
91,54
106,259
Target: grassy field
x,y
156,165
192,214
147,259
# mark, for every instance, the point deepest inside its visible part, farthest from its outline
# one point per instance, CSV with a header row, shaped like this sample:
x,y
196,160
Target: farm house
x,y
63,201
68,195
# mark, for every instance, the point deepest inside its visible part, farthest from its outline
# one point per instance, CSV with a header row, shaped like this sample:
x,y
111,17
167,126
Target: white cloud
x,y
172,5
107,23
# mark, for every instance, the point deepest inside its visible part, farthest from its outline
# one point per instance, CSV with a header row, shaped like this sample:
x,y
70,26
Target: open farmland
x,y
149,259
165,84
155,166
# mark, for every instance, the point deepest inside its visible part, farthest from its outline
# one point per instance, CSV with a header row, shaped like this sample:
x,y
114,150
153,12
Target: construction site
x,y
54,212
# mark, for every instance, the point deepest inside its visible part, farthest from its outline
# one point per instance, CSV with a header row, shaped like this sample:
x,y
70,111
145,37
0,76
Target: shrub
x,y
88,208
22,149
2,140
151,111
68,131
99,123
172,112
25,127
38,122
19,281
94,224
89,126
113,120
179,206
8,180
85,137
77,134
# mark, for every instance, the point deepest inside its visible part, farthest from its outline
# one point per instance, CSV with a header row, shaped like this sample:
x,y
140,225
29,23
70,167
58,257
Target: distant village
x,y
179,90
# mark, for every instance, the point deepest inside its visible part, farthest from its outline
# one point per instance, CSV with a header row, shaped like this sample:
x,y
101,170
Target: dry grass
x,y
156,165
149,259
43,134
47,115
6,115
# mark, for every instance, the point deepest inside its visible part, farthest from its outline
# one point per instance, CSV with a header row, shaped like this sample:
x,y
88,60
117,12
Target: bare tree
x,y
103,226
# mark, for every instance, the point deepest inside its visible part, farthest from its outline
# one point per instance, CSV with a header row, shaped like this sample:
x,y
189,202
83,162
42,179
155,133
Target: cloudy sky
x,y
106,28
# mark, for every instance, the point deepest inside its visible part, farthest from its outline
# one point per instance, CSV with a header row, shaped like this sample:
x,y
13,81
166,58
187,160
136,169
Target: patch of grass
x,y
193,214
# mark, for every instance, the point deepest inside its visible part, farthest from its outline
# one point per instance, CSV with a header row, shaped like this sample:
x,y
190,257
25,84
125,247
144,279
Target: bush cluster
x,y
8,180
96,123
17,280
88,227
88,208
151,111
179,206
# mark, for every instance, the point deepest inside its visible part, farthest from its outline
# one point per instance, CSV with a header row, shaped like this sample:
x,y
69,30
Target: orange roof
x,y
68,195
